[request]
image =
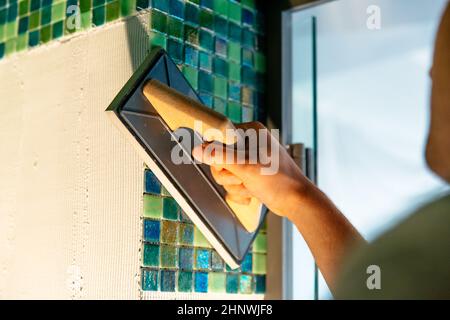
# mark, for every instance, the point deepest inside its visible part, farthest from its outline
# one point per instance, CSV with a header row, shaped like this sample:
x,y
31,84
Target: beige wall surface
x,y
70,184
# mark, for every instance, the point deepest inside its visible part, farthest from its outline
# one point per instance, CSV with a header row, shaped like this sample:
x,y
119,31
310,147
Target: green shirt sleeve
x,y
411,261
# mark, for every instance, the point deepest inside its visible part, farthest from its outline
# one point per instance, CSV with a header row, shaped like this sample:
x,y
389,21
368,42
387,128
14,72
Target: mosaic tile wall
x,y
218,45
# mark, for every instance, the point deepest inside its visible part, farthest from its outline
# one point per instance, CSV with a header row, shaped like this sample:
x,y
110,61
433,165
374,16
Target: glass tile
x,y
234,92
176,8
205,61
169,256
167,280
247,96
246,265
247,114
234,112
221,47
186,236
46,33
221,26
234,71
150,280
98,16
220,106
169,232
245,284
176,27
260,284
201,282
184,281
202,258
234,12
199,239
175,50
217,264
152,230
158,20
221,7
248,17
191,35
232,283
191,75
112,11
220,87
206,19
205,82
162,5
152,184
152,206
127,7
46,15
259,263
142,4
207,4
191,13
170,209
221,67
151,255
247,57
186,258
206,40
260,243
216,282
191,56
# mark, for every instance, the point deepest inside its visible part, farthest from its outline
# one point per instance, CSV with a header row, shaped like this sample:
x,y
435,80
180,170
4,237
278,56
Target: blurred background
x,y
371,88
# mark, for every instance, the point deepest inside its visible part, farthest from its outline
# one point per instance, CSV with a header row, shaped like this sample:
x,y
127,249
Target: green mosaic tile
x,y
234,12
158,21
58,11
11,30
206,19
24,7
127,7
22,42
232,283
46,33
221,7
260,244
221,67
86,20
169,256
206,40
205,61
191,75
200,240
158,40
150,255
220,106
85,5
2,32
175,27
98,16
234,112
260,62
234,71
153,206
150,280
217,282
259,263
185,281
245,284
220,87
112,11
35,17
170,209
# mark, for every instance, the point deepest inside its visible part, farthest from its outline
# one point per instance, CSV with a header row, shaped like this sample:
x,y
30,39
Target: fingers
x,y
224,177
238,199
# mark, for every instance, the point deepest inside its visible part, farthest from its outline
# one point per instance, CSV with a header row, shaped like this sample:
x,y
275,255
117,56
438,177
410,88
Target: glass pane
x,y
373,105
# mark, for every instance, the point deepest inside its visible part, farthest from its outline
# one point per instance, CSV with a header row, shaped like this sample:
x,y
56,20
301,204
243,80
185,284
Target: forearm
x,y
329,235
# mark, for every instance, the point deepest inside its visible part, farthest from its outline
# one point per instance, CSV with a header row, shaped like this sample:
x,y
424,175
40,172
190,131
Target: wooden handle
x,y
179,111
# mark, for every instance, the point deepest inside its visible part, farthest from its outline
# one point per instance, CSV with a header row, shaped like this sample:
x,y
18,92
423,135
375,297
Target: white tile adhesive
x,y
70,184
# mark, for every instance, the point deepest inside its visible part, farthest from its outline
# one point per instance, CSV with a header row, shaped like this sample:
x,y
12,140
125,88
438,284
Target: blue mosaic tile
x,y
150,280
185,281
152,229
177,8
152,184
201,282
246,265
232,283
167,280
186,259
260,284
202,258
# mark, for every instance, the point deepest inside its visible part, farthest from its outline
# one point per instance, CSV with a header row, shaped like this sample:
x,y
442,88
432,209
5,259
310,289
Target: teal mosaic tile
x,y
218,44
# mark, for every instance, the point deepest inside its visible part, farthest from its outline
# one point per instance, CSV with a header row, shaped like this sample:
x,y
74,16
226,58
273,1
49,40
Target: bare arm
x,y
287,192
